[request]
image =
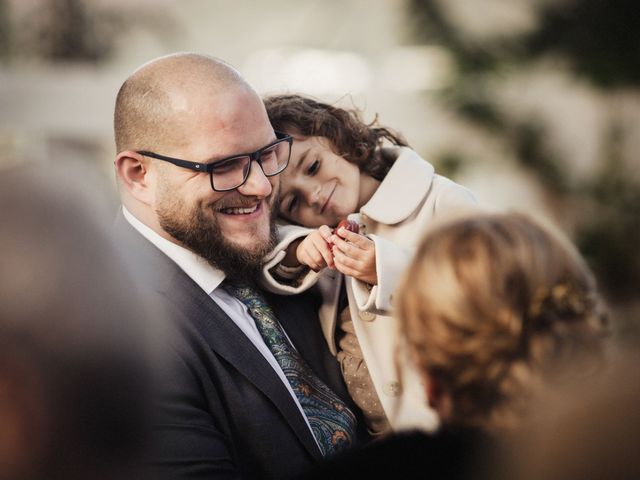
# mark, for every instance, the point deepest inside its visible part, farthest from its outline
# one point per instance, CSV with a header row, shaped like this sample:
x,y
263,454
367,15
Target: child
x,y
339,167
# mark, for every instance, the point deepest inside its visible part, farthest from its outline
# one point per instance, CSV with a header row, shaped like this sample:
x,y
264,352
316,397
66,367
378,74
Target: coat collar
x,y
402,190
207,277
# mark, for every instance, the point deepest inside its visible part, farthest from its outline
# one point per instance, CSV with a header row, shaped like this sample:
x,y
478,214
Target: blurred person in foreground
x,y
75,354
588,431
253,390
493,308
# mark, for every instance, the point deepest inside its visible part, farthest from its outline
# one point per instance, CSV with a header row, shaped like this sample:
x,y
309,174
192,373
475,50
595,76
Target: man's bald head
x,y
200,109
150,102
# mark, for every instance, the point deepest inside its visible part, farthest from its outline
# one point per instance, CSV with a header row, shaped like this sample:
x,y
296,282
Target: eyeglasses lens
x,y
233,172
274,158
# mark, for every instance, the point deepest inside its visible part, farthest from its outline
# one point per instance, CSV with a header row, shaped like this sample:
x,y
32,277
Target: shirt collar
x,y
402,190
196,267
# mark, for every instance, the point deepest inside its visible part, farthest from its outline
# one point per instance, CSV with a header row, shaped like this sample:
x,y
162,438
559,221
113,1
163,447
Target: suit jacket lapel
x,y
226,339
219,332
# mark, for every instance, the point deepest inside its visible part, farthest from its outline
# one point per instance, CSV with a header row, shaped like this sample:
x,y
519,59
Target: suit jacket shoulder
x,y
223,410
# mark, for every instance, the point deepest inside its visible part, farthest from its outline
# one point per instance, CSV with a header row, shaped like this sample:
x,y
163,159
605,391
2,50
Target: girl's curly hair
x,y
349,136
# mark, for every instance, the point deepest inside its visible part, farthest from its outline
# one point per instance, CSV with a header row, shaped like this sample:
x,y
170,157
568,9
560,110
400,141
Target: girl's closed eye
x,y
292,204
313,168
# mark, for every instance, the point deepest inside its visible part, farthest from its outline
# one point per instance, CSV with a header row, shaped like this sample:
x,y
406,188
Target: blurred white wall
x,y
357,52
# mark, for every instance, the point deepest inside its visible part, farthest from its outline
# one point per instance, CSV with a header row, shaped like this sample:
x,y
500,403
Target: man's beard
x,y
204,237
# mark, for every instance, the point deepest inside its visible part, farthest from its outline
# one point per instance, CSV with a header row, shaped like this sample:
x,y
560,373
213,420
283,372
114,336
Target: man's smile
x,y
240,210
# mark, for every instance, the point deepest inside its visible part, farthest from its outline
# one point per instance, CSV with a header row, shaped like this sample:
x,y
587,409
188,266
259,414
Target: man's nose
x,y
257,183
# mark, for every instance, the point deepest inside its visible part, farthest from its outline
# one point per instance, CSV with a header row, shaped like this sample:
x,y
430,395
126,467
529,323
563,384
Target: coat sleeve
x,y
272,269
392,260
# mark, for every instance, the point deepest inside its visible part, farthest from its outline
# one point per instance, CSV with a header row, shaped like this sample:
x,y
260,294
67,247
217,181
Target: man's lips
x,y
244,207
237,204
240,210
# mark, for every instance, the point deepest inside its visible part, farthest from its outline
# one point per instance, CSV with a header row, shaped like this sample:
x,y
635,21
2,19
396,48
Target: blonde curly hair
x,y
491,307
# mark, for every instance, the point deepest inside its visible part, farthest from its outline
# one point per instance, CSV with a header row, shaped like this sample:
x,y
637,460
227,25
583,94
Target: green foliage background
x,y
599,42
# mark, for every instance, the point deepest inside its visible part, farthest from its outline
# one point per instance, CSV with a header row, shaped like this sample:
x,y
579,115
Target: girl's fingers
x,y
354,261
347,271
313,258
314,252
342,260
350,249
355,238
323,249
325,232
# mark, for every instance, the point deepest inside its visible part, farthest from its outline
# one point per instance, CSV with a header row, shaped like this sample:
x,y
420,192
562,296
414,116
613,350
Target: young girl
x,y
339,167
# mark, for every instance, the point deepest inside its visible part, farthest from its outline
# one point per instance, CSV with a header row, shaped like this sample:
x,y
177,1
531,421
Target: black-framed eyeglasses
x,y
232,172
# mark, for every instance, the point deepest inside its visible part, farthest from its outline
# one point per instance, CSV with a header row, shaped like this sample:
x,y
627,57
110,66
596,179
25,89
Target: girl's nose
x,y
313,195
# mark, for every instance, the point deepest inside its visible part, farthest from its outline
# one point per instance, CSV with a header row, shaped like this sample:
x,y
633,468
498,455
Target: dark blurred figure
x,y
587,432
493,309
74,353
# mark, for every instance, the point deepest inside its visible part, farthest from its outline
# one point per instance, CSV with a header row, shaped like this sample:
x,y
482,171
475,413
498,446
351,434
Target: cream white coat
x,y
395,218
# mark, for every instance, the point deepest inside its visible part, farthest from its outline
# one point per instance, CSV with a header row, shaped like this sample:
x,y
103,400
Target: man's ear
x,y
133,171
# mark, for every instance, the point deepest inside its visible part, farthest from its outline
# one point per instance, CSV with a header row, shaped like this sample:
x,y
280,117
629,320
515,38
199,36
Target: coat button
x,y
392,389
366,316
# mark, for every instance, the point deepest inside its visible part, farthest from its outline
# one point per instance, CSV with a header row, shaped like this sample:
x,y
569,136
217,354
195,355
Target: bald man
x,y
197,171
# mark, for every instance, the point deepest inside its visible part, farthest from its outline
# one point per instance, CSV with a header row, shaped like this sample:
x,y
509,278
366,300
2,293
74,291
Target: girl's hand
x,y
314,251
355,255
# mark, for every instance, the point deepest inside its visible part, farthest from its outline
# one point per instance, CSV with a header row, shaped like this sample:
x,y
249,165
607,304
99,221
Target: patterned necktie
x,y
332,423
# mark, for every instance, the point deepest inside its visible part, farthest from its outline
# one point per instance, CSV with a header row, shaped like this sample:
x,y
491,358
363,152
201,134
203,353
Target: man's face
x,y
231,230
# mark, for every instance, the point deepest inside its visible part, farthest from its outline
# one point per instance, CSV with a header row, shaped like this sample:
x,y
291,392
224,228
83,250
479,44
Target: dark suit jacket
x,y
224,411
449,454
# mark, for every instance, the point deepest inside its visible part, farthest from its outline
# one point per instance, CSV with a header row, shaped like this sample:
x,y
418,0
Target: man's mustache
x,y
238,200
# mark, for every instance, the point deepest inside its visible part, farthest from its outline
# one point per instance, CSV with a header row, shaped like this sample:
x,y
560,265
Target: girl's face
x,y
318,187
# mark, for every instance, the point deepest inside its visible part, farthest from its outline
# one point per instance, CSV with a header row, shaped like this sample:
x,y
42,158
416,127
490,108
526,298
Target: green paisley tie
x,y
332,423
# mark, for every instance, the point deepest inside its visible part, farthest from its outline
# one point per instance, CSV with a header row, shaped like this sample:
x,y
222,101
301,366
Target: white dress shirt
x,y
209,279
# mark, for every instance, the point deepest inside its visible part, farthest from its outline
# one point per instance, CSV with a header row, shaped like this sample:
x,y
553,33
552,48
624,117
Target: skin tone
x,y
218,122
318,189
